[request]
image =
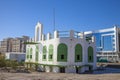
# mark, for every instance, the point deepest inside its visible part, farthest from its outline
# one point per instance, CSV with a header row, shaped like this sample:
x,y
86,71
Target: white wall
x,y
15,56
71,43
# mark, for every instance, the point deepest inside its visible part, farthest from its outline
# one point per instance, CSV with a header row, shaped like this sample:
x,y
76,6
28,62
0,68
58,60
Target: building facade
x,y
14,44
107,43
18,44
6,45
67,51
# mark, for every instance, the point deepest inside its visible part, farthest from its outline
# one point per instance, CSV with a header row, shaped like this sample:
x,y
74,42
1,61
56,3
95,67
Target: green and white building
x,y
65,51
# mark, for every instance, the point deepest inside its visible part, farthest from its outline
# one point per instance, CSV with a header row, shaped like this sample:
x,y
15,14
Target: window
x,y
51,56
62,56
107,43
62,48
90,54
113,44
44,56
78,57
30,56
44,52
113,36
27,56
50,52
78,53
37,53
31,51
90,58
113,40
27,53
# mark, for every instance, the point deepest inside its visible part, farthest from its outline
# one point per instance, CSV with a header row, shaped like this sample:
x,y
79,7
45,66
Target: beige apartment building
x,y
6,45
14,44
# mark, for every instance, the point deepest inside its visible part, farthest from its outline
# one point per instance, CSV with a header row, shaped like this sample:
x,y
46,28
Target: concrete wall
x,y
15,56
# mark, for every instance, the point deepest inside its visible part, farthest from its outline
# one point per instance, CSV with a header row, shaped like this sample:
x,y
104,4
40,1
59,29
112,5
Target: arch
x,y
27,53
51,52
37,54
31,51
90,54
44,52
62,51
38,32
78,53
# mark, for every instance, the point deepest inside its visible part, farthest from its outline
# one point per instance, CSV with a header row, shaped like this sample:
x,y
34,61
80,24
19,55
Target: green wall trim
x,y
27,53
31,51
78,53
53,65
90,54
44,55
30,43
51,49
62,52
27,56
37,53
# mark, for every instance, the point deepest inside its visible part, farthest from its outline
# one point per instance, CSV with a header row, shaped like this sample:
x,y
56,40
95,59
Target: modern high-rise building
x,y
107,43
14,44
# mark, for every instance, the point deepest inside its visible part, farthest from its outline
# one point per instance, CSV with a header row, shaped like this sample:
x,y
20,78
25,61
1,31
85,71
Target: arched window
x,y
62,52
31,51
27,53
37,54
78,53
90,54
50,52
44,52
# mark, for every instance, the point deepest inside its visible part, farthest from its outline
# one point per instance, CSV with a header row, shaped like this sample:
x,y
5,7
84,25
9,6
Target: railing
x,y
63,33
76,34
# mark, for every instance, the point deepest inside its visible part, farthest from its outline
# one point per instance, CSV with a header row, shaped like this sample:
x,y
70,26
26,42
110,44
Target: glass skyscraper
x,y
107,43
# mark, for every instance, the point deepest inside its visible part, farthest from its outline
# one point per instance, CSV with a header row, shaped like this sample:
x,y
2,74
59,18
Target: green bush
x,y
9,63
2,61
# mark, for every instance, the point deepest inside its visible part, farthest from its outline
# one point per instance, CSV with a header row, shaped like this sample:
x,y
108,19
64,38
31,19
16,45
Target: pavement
x,y
107,70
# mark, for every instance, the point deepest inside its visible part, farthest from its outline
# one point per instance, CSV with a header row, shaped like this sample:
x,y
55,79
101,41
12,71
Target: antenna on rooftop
x,y
54,19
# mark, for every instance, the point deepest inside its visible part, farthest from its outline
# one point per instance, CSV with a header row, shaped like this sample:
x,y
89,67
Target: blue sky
x,y
19,17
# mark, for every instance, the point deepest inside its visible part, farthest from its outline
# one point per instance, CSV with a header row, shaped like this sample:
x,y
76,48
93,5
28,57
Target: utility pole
x,y
54,19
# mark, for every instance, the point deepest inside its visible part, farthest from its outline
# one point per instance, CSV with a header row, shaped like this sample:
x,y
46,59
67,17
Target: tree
x,y
2,60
